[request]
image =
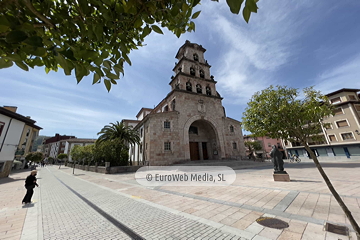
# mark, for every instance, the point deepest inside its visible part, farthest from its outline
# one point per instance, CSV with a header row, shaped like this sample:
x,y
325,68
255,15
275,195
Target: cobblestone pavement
x,y
12,215
65,214
90,205
305,202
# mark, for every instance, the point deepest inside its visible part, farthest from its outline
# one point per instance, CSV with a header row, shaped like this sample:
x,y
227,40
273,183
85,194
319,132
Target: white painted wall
x,y
12,138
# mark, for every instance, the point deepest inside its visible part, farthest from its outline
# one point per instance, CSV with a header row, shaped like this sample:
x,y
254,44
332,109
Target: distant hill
x,y
38,141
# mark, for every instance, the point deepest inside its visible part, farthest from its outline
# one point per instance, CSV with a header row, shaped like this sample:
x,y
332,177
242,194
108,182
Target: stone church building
x,y
190,122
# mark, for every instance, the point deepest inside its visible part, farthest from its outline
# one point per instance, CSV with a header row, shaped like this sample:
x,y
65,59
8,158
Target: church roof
x,y
143,109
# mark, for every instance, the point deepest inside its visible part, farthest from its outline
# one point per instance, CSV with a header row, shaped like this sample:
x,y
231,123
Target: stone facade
x,y
190,122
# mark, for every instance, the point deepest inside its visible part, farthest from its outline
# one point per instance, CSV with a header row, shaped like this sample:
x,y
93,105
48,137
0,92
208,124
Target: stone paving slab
x,y
187,199
230,210
61,212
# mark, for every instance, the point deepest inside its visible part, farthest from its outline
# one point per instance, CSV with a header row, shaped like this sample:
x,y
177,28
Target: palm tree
x,y
120,134
118,131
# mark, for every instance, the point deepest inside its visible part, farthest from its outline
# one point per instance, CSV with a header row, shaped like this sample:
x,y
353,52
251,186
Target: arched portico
x,y
202,140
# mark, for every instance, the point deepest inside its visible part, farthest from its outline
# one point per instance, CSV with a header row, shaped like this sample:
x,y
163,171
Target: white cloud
x,y
253,52
345,75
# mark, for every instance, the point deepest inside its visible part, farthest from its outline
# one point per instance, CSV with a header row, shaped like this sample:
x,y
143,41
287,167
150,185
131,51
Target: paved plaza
x,y
91,205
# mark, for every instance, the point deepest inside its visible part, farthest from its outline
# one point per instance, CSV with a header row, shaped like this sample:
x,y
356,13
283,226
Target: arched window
x,y
173,105
202,74
166,108
188,87
231,128
196,57
208,90
198,88
192,71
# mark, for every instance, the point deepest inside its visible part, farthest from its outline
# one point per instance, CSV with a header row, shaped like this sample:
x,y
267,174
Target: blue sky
x,y
293,43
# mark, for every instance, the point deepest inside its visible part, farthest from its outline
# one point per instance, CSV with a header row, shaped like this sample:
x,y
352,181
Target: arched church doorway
x,y
202,141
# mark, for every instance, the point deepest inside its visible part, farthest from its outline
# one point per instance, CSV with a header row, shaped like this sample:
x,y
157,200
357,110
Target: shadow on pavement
x,y
305,181
9,180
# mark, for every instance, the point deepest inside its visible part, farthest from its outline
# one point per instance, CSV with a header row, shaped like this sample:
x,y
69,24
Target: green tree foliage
x,y
51,160
62,156
76,153
90,36
281,113
112,151
34,156
118,131
252,147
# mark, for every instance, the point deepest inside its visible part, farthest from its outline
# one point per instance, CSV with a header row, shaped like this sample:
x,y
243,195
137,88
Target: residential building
x,y
266,143
190,122
17,134
341,140
53,146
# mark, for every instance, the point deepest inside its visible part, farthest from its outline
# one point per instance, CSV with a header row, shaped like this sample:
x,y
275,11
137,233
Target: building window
x,y
166,108
208,90
352,97
347,136
342,123
188,87
28,132
202,74
335,100
357,107
140,148
231,128
269,144
167,146
166,124
196,57
332,138
2,124
192,71
193,130
234,145
141,132
338,111
198,88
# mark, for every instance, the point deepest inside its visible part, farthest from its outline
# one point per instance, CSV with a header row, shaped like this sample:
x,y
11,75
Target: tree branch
x,y
29,5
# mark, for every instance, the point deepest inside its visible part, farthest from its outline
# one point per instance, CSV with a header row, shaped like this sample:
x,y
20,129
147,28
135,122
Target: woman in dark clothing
x,y
30,184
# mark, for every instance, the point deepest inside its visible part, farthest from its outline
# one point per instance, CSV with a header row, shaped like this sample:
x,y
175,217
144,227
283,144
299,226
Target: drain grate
x,y
272,222
342,230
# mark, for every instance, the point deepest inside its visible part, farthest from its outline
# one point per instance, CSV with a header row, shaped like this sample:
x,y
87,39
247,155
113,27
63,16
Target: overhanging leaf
x,y
35,41
246,14
96,78
234,5
107,84
5,63
16,36
22,65
156,29
195,15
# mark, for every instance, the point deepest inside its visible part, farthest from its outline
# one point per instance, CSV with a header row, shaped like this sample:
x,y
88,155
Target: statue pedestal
x,y
281,177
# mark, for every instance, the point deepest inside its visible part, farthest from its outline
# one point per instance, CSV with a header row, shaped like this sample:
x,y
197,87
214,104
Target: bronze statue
x,y
276,157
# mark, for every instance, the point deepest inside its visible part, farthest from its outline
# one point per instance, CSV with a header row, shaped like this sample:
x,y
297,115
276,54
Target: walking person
x,y
30,184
